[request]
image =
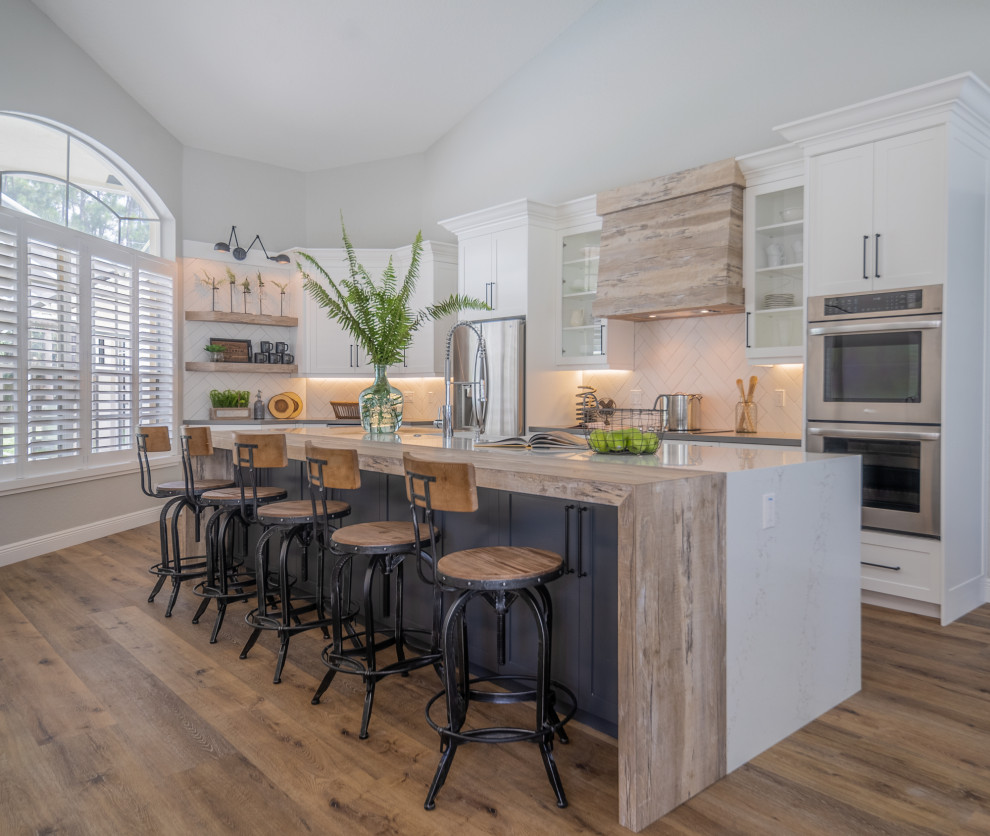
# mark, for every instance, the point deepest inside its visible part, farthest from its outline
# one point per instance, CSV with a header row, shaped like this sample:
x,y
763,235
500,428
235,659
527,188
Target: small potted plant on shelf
x,y
230,403
232,283
213,285
215,351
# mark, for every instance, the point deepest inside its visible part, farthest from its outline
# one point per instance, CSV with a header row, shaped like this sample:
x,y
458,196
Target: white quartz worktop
x,y
677,454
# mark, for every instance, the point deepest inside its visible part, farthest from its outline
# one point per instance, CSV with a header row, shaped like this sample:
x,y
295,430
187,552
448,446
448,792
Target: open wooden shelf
x,y
244,319
252,368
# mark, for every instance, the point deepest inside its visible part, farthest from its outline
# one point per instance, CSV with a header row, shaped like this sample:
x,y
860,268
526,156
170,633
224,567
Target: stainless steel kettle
x,y
683,411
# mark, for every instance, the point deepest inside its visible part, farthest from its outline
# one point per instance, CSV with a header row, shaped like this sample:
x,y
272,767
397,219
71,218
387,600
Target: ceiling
x,y
311,84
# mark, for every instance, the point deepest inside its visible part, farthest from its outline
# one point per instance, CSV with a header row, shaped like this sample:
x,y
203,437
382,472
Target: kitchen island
x,y
737,583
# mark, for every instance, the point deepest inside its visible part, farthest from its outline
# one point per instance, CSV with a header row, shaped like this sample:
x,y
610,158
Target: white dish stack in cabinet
x,y
773,255
898,194
582,340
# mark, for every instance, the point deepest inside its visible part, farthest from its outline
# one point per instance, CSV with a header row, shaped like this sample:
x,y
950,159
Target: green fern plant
x,y
377,314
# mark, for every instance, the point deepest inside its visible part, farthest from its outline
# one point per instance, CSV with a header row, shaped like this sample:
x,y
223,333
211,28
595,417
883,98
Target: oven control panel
x,y
913,300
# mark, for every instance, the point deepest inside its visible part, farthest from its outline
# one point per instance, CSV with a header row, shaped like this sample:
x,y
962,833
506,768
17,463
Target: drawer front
x,y
906,566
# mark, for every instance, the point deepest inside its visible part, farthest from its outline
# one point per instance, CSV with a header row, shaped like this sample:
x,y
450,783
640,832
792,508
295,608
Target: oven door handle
x,y
873,327
891,435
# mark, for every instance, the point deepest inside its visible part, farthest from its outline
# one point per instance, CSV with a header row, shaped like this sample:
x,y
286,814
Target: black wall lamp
x,y
240,253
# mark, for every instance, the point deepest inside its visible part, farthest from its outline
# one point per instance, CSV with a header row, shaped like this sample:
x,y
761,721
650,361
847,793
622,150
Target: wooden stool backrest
x,y
261,449
199,441
331,468
156,439
451,486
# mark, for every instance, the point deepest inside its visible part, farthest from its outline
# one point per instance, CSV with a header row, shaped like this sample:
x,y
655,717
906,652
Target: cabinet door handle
x,y
876,256
580,571
567,540
866,238
880,565
601,339
350,355
404,363
491,304
748,315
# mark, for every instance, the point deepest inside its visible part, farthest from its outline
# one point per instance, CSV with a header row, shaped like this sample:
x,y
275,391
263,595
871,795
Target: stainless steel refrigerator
x,y
504,407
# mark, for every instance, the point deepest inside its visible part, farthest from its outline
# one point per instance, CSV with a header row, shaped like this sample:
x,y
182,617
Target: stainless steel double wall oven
x,y
875,389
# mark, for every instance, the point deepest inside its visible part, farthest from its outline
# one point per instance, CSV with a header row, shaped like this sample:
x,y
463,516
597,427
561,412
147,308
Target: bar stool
x,y
385,545
304,522
225,582
180,495
502,576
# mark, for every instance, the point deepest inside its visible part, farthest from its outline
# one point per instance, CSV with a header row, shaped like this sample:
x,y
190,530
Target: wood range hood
x,y
672,246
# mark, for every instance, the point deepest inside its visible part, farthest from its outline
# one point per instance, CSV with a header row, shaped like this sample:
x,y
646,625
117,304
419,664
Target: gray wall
x,y
43,73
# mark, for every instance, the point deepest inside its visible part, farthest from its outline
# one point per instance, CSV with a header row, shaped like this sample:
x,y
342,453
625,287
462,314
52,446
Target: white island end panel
x,y
792,599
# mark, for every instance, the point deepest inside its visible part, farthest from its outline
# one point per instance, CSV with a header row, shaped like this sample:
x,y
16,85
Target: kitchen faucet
x,y
446,420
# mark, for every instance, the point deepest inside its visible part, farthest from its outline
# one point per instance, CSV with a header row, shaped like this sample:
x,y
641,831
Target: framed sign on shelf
x,y
234,351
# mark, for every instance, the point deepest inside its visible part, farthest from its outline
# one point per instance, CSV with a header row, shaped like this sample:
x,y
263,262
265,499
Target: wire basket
x,y
635,431
343,409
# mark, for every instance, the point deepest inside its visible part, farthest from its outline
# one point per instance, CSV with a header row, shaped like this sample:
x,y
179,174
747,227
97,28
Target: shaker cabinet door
x,y
909,210
840,222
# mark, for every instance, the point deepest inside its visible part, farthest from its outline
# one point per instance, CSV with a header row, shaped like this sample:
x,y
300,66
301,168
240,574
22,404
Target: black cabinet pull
x,y
866,239
880,565
567,540
580,571
876,256
748,314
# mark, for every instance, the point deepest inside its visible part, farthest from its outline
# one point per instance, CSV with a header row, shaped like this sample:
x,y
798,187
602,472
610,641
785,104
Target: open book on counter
x,y
548,440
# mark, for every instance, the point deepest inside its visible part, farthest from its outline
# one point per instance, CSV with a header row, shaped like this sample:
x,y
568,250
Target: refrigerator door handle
x,y
481,401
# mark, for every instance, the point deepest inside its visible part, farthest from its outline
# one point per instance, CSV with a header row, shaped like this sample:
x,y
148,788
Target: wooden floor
x,y
114,719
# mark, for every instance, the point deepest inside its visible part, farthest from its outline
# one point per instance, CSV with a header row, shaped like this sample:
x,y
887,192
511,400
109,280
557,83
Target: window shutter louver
x,y
53,369
111,357
10,388
156,341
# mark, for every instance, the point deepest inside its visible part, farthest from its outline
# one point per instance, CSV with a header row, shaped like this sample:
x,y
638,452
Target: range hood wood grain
x,y
672,246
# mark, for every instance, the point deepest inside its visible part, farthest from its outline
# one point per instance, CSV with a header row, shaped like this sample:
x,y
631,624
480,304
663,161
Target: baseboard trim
x,y
897,602
26,549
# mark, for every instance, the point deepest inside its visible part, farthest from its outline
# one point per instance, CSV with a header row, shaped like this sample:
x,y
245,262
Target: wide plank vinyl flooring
x,y
116,720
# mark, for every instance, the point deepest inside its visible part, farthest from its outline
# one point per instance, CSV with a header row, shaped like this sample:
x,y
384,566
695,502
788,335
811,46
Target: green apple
x,y
635,441
598,441
651,441
616,440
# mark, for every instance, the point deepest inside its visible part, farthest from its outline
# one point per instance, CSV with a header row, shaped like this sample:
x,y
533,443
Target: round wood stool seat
x,y
499,567
299,511
381,537
232,496
200,486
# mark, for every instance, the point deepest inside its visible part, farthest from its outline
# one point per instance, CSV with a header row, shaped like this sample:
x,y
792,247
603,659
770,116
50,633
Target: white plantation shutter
x,y
10,382
87,348
54,370
156,352
112,306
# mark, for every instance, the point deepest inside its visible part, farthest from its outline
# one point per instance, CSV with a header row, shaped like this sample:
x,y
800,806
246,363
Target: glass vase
x,y
381,405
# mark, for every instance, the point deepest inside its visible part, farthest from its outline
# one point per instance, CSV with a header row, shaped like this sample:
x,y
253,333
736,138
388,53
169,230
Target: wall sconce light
x,y
240,253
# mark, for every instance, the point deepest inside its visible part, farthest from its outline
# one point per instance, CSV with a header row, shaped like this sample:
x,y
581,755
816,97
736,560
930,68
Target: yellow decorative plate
x,y
297,404
281,406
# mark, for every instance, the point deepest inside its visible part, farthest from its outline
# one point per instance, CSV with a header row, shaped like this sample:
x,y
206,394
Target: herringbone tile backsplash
x,y
705,355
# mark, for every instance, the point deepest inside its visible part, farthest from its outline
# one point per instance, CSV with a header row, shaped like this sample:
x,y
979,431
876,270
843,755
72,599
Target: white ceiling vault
x,y
311,84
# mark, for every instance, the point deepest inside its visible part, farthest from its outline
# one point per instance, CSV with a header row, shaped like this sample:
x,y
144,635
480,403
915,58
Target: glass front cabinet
x,y
773,260
583,340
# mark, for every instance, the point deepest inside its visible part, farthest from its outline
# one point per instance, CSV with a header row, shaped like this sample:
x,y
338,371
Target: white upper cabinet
x,y
325,349
582,340
773,255
437,281
877,215
498,251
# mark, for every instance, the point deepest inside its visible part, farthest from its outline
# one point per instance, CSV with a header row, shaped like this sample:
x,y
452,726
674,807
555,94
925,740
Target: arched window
x,y
49,173
87,307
